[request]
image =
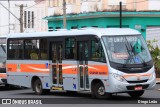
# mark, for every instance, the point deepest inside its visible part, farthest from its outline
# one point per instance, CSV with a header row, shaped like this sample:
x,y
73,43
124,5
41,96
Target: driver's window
x,y
97,53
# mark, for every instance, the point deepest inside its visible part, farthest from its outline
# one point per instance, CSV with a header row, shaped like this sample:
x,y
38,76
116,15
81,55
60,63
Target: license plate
x,y
138,88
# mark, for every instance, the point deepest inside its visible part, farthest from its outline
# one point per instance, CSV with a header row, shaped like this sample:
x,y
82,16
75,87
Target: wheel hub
x,y
38,87
101,91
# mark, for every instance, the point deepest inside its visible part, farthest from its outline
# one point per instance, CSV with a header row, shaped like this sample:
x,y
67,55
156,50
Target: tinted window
x,y
43,49
15,49
97,53
70,52
31,49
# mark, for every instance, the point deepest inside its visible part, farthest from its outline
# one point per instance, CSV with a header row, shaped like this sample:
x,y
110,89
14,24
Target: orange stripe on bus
x,y
136,75
98,70
4,76
66,68
31,68
11,67
69,69
92,69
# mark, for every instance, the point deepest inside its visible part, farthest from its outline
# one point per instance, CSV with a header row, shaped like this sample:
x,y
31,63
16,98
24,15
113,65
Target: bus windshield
x,y
2,53
127,49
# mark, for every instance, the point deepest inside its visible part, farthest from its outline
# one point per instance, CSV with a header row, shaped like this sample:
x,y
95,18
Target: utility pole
x,y
21,16
64,14
120,17
9,16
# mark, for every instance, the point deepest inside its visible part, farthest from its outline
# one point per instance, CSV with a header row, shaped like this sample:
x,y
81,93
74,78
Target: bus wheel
x,y
39,89
99,91
72,93
7,86
136,94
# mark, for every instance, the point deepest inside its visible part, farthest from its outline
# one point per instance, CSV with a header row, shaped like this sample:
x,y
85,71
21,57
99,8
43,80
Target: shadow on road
x,y
11,88
114,97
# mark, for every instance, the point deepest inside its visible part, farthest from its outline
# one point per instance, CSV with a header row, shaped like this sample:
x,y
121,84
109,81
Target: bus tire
x,y
72,93
136,94
99,91
39,89
7,86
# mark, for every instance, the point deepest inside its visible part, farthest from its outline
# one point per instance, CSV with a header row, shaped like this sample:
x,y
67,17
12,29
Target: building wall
x,y
140,22
84,6
4,23
40,11
154,5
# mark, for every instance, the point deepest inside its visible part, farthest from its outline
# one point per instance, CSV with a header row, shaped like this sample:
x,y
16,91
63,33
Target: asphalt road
x,y
64,98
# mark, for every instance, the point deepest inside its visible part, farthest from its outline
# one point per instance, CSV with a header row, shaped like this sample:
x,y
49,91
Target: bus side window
x,y
43,49
70,50
97,53
15,49
31,49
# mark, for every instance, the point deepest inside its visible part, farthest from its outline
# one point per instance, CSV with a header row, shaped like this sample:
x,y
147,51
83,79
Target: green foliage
x,y
155,53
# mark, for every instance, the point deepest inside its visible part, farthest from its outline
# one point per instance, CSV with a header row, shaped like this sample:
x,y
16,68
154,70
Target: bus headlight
x,y
118,77
153,76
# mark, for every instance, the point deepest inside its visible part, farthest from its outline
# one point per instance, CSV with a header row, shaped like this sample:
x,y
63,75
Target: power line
x,y
9,11
4,25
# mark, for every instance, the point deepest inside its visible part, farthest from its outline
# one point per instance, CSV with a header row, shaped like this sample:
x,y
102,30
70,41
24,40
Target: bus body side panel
x,y
99,71
25,70
70,75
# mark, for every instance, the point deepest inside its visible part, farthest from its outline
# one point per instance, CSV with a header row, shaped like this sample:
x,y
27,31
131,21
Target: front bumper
x,y
118,87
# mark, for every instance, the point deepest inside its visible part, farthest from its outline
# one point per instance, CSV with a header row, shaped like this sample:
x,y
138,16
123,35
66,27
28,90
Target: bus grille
x,y
141,81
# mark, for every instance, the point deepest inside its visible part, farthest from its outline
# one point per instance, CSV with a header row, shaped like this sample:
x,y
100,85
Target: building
x,y
33,12
142,15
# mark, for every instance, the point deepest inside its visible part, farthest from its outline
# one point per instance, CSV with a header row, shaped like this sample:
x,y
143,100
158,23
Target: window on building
x,y
95,26
31,49
70,50
74,27
29,19
83,26
50,29
74,1
15,49
32,19
97,53
58,27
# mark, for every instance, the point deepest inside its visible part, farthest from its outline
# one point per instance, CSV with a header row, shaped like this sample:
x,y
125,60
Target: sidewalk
x,y
158,80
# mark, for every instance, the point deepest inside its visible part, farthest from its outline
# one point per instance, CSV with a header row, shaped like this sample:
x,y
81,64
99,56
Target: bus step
x,y
57,88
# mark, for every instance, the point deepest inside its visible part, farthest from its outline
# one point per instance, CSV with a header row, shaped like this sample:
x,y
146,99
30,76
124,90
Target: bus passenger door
x,y
56,56
82,56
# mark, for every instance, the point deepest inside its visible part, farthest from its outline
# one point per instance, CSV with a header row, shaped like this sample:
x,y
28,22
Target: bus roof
x,y
3,36
76,32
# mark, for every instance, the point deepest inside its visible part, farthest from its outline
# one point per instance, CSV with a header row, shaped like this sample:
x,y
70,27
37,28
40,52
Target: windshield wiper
x,y
130,52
